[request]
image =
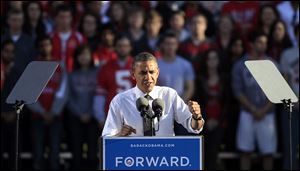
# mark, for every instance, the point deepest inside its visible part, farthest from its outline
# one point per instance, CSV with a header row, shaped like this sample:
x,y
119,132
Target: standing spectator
x,y
153,25
289,13
83,125
7,59
106,50
214,96
278,40
114,77
224,34
24,44
177,25
24,52
34,24
64,38
176,72
117,13
47,112
198,43
266,16
243,13
136,17
289,63
257,115
89,27
7,118
236,50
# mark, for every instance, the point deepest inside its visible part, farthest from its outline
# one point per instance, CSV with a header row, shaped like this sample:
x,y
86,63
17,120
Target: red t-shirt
x,y
243,13
193,52
104,54
113,79
66,54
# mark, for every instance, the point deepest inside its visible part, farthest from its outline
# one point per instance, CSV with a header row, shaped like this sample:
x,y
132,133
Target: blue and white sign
x,y
152,153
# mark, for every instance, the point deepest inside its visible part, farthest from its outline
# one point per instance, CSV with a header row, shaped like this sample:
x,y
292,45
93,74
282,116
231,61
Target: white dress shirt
x,y
122,110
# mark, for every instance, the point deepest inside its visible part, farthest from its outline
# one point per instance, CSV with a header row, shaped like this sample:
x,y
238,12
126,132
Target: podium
x,y
152,153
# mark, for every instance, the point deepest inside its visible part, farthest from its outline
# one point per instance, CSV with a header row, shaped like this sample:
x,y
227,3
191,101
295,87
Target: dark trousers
x,y
83,133
43,133
212,141
8,134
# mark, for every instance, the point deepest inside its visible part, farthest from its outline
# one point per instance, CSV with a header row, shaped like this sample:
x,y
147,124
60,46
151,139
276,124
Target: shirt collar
x,y
138,93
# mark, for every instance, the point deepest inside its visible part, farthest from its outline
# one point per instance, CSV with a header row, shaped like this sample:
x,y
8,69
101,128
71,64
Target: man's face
x,y
260,44
145,73
64,19
123,48
15,21
169,46
199,25
7,53
45,48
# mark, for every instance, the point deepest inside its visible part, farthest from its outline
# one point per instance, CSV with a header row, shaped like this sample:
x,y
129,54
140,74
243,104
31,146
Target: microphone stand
x,y
287,103
18,108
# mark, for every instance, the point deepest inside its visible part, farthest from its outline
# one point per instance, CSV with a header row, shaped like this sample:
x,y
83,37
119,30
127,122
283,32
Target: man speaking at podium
x,y
124,116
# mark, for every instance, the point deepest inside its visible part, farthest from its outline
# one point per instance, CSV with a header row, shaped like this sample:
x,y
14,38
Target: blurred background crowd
x,y
200,47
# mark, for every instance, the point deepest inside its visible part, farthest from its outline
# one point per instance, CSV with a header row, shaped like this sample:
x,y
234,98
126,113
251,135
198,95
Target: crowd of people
x,y
200,48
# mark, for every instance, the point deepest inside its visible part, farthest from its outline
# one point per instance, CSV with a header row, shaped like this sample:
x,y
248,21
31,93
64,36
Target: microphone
x,y
158,106
142,106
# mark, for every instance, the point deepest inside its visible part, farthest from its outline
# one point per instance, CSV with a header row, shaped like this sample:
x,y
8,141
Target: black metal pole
x,y
288,105
290,135
17,142
18,107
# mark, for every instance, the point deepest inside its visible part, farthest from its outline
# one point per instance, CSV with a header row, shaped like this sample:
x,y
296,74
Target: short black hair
x,y
168,34
142,57
39,39
6,42
77,52
14,12
254,35
62,8
122,36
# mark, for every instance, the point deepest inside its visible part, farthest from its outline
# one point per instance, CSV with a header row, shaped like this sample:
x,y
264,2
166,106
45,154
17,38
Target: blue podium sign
x,y
153,153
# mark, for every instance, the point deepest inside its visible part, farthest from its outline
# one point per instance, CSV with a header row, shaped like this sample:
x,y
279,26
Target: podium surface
x,y
153,153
